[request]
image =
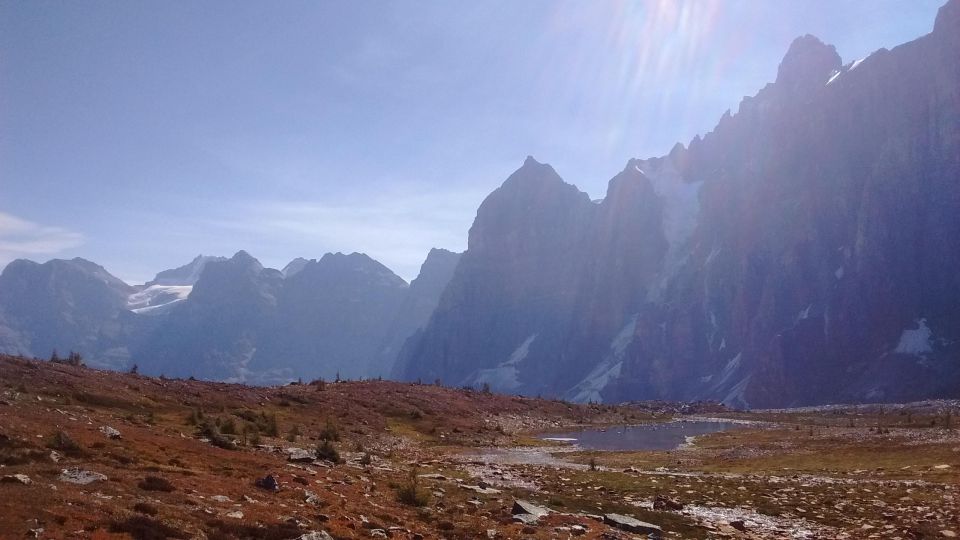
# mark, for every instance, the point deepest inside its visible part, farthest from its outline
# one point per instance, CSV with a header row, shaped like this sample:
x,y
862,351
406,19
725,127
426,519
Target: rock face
x,y
187,274
803,252
418,305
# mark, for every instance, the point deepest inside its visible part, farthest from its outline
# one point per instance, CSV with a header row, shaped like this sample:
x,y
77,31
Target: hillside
x,y
472,455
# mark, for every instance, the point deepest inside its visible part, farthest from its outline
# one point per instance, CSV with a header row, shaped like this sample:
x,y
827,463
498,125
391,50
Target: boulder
x,y
528,513
632,524
299,455
315,535
662,502
16,479
110,432
79,476
482,490
268,482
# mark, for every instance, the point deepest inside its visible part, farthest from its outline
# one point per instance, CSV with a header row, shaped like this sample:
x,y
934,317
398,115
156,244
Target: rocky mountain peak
x,y
808,62
294,266
187,274
631,182
947,23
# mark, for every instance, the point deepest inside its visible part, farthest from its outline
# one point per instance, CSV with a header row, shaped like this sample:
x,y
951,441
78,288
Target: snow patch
x,y
155,297
506,376
590,388
599,377
680,203
916,341
624,337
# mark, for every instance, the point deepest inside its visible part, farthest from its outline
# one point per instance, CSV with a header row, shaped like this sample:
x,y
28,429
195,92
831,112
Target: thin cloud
x,y
22,238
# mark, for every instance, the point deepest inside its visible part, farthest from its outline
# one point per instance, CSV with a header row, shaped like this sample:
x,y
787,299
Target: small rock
x,y
946,533
110,432
315,535
631,524
76,475
236,514
482,491
299,455
528,513
941,466
16,479
378,533
55,456
220,498
578,530
268,483
661,502
739,525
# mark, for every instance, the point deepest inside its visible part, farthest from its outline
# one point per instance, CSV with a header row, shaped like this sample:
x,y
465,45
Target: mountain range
x,y
223,319
805,251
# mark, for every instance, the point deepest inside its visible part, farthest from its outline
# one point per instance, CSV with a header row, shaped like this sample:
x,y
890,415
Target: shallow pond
x,y
666,436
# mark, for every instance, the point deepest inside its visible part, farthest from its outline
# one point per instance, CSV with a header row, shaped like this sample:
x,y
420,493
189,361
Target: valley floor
x,y
93,454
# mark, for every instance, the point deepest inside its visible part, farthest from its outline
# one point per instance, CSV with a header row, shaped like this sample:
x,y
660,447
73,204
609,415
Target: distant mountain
x,y
248,323
63,305
331,316
805,251
222,319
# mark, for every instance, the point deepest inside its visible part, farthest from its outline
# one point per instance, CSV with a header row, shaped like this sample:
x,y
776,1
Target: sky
x,y
140,134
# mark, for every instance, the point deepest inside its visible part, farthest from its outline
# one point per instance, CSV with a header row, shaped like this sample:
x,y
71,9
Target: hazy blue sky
x,y
140,134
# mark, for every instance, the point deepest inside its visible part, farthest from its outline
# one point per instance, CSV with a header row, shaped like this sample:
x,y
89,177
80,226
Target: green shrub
x,y
327,451
209,430
330,432
155,483
410,493
64,443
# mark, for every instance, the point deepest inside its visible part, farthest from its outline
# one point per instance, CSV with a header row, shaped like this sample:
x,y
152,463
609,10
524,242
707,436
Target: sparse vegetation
x,y
62,442
330,431
210,431
328,452
410,493
146,508
821,458
156,483
145,528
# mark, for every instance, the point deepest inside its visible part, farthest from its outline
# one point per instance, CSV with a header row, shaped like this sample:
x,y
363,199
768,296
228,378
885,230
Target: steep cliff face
x,y
546,281
805,251
418,305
